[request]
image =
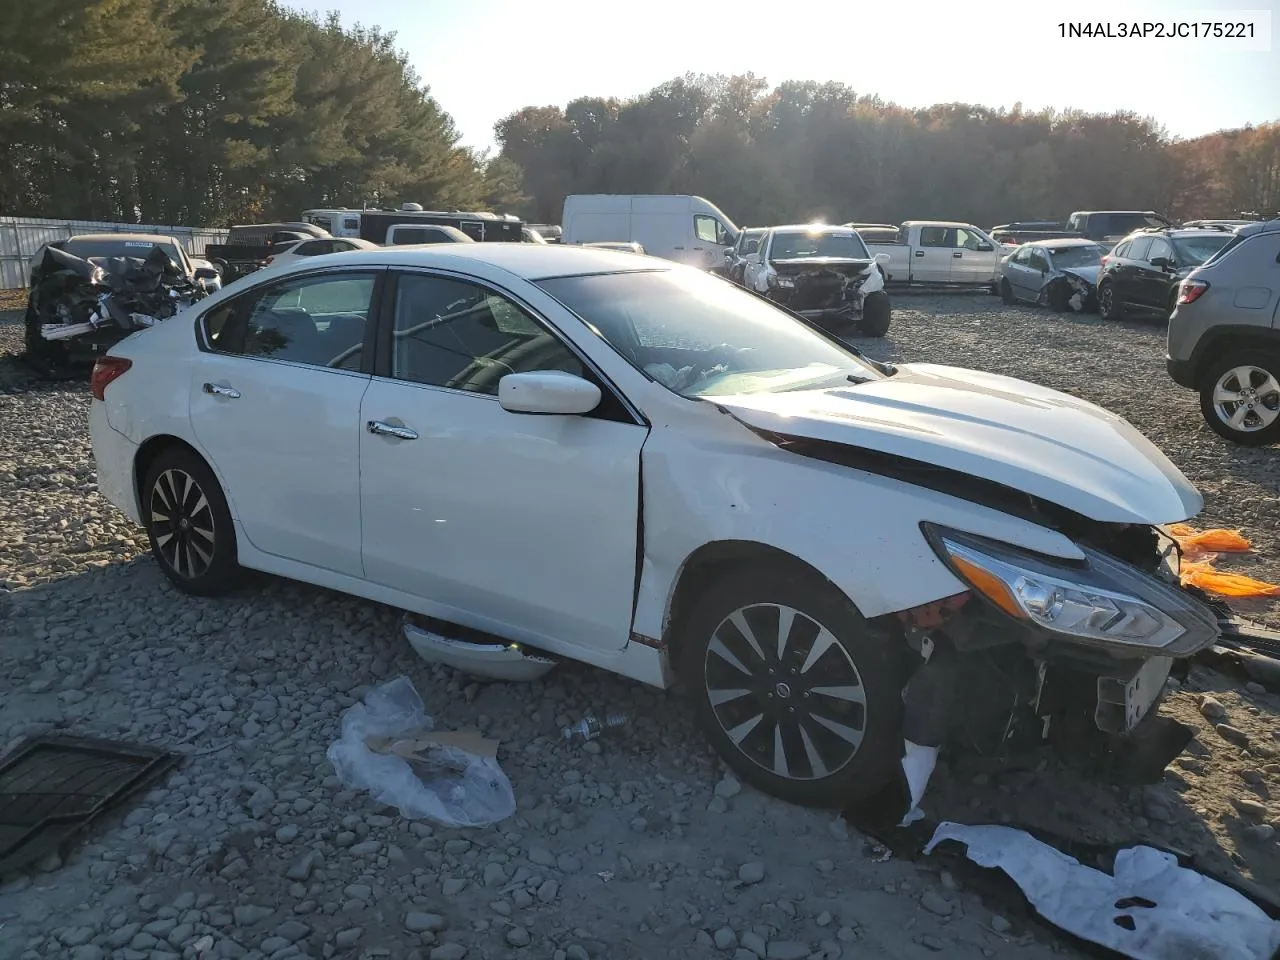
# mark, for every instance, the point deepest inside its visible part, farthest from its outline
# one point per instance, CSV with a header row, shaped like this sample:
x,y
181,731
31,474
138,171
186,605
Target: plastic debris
x,y
1201,548
588,728
1201,574
388,748
917,766
1196,544
1150,909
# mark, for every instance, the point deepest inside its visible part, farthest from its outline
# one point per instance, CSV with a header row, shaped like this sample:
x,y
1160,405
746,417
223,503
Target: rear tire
x,y
1225,396
189,524
1006,293
1109,307
876,314
820,730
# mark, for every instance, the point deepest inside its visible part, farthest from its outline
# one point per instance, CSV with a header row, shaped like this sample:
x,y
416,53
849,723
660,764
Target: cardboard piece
x,y
420,744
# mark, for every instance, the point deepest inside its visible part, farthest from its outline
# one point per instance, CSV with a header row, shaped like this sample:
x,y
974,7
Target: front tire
x,y
1109,307
1240,397
876,314
1006,293
797,693
189,524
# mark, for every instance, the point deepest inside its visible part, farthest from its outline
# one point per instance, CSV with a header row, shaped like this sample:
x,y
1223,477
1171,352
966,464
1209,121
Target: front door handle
x,y
383,429
218,390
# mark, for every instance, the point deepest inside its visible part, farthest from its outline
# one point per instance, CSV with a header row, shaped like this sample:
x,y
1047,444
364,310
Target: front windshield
x,y
700,336
793,245
1193,251
1083,256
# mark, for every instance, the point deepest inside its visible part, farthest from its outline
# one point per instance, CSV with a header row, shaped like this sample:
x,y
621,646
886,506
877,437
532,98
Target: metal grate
x,y
51,787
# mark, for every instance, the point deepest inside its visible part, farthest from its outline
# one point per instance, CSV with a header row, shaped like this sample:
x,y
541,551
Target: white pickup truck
x,y
938,252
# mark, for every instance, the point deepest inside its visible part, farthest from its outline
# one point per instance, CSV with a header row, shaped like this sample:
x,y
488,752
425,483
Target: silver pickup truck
x,y
936,253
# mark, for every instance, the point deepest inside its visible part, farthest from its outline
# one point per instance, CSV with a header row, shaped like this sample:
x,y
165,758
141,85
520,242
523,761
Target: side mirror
x,y
985,247
883,258
1164,263
548,392
206,273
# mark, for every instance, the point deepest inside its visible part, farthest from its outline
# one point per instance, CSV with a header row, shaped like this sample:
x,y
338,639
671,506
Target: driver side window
x,y
710,230
461,336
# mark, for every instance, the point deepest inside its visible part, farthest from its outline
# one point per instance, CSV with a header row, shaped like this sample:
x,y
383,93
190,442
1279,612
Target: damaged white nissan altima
x,y
612,458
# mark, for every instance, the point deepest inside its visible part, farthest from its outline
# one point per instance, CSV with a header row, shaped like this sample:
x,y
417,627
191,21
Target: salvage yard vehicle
x,y
823,273
1102,226
83,294
744,248
378,226
1060,274
683,228
1224,336
288,253
409,234
940,253
832,554
1141,274
250,245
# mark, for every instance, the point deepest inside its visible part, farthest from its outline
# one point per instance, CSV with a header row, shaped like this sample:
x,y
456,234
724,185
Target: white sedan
x,y
627,462
286,255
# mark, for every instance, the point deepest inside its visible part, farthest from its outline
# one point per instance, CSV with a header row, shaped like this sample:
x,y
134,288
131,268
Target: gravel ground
x,y
634,845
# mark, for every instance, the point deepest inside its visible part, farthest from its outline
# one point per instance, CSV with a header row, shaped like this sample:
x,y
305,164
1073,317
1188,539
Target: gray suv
x,y
1224,336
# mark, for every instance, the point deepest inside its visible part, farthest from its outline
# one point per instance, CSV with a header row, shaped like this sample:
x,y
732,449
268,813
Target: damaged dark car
x,y
1061,274
825,274
88,293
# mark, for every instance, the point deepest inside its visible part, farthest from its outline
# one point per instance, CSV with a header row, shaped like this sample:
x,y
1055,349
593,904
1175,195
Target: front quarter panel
x,y
709,479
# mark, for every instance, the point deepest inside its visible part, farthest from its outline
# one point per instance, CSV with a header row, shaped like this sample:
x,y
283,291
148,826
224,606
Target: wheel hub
x,y
807,726
182,524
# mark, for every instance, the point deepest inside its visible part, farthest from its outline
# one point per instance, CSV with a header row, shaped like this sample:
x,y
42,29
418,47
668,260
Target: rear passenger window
x,y
1138,248
319,321
934,237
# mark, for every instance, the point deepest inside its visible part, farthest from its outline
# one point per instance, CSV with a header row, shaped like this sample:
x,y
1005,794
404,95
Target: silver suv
x,y
1224,336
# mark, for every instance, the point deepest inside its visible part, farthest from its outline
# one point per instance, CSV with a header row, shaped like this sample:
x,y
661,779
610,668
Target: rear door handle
x,y
219,390
919,253
957,254
384,429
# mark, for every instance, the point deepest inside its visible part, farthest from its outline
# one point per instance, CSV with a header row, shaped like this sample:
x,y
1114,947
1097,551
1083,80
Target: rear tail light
x,y
1189,291
1103,262
106,370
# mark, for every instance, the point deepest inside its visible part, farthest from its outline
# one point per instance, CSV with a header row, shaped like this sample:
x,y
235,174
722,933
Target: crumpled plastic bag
x,y
1149,909
475,794
1201,548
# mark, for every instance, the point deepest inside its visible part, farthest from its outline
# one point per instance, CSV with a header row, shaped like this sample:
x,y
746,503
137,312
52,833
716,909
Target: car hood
x,y
1088,274
1042,442
797,266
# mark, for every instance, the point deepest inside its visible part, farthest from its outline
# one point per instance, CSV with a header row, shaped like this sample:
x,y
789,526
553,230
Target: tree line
x,y
199,113
804,151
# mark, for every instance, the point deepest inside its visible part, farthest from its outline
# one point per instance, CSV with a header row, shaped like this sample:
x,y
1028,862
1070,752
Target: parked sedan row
x,y
1139,276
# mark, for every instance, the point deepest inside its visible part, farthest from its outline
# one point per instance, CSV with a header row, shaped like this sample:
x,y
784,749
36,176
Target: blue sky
x,y
915,53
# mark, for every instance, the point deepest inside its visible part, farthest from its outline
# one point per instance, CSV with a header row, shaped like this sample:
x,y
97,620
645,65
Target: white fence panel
x,y
22,237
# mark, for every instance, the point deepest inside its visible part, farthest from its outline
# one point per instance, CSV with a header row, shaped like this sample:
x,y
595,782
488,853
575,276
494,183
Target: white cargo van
x,y
689,229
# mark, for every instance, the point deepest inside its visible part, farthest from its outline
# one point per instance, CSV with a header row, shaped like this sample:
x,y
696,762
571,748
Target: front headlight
x,y
1102,601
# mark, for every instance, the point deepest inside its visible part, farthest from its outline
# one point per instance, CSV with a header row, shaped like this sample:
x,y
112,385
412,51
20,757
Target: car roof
x,y
1262,226
815,228
132,237
1061,243
532,261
